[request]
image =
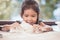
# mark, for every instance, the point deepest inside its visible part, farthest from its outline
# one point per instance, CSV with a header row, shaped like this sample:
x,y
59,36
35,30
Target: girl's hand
x,y
6,28
14,25
46,28
37,28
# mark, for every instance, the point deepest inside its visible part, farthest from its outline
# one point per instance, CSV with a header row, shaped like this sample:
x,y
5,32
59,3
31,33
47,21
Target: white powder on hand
x,y
26,27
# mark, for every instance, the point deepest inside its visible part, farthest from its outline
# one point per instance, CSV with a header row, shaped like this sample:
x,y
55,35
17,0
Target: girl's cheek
x,y
24,19
35,20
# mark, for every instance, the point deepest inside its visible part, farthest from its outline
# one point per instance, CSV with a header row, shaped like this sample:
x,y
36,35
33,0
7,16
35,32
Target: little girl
x,y
30,14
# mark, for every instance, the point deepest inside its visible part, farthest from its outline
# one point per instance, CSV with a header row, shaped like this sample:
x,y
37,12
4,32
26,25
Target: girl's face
x,y
30,16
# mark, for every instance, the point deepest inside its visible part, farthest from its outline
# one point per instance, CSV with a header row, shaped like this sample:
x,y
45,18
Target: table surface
x,y
27,36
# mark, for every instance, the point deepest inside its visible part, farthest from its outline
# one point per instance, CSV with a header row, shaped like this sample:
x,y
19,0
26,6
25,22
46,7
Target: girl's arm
x,y
45,28
42,28
8,27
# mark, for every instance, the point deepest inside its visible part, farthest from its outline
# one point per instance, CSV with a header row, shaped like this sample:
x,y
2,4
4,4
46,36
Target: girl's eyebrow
x,y
25,14
35,14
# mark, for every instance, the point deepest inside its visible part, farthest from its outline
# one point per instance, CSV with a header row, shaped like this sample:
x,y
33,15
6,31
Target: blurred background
x,y
49,10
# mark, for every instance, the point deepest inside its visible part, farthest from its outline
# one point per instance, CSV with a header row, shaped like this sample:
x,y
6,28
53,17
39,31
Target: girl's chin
x,y
30,23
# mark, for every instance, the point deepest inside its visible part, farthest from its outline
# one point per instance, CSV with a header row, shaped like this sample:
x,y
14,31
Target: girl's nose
x,y
29,18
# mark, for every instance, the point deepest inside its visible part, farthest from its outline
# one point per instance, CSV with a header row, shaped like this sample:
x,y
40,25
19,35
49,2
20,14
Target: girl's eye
x,y
26,15
33,16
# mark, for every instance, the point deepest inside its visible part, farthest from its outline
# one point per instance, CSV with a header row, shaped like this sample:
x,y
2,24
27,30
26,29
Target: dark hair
x,y
30,4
